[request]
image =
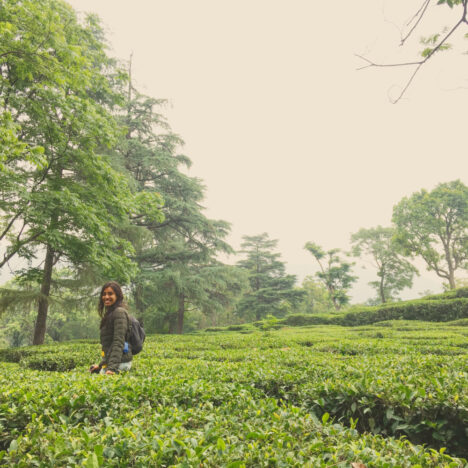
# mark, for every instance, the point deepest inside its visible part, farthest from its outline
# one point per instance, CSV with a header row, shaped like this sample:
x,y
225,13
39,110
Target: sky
x,y
288,136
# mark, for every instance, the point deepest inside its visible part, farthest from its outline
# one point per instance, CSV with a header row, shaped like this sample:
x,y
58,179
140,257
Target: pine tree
x,y
271,289
177,257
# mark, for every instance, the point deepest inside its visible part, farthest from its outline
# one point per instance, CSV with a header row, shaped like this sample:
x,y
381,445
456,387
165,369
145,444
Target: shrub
x,y
242,326
300,320
452,294
426,310
51,362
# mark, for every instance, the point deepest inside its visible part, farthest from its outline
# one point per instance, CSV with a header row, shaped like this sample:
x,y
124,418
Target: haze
x,y
288,137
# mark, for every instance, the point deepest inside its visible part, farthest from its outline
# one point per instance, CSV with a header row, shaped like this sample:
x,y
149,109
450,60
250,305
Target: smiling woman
x,y
116,353
108,297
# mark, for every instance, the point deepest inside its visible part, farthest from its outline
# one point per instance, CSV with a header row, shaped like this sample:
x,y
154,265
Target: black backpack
x,y
135,335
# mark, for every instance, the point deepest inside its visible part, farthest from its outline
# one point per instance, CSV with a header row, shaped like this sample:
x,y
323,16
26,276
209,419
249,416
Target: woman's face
x,y
108,297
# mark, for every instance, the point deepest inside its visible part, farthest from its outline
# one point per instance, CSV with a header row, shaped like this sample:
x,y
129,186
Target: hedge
x,y
426,310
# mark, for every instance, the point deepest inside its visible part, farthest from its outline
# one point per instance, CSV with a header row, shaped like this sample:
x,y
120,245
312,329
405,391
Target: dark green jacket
x,y
113,339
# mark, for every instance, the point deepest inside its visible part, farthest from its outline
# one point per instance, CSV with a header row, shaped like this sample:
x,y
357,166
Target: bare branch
x,y
373,64
394,101
423,6
420,12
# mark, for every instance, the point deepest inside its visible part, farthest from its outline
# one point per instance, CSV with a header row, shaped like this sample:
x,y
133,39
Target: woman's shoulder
x,y
120,311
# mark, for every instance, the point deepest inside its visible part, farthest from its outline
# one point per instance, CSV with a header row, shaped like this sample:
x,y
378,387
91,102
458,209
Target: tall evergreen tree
x,y
271,289
177,256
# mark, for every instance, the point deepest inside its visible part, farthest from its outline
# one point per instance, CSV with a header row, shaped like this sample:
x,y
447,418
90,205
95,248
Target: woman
x,y
116,354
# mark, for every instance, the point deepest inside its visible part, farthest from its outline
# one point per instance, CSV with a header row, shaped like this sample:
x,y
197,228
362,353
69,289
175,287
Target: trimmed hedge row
x,y
253,405
433,310
69,422
452,294
56,357
446,307
444,310
301,320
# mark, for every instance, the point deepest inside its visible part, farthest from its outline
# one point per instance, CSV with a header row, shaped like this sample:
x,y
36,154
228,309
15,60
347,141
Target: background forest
x,y
94,185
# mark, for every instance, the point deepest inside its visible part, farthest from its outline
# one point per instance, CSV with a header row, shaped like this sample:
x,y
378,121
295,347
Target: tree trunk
x,y
180,315
451,272
450,263
171,320
331,293
451,279
214,319
43,306
382,291
139,305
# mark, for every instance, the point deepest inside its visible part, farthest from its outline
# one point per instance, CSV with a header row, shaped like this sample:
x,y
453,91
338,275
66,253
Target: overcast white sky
x,y
288,137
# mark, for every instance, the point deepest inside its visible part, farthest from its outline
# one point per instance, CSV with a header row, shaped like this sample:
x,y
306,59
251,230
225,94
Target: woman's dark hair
x,y
103,312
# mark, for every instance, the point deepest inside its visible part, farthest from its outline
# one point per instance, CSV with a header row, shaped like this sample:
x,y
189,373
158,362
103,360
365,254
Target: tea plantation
x,y
390,394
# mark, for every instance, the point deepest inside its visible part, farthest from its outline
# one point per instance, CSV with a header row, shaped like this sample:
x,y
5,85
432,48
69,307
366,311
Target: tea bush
x,y
315,396
441,310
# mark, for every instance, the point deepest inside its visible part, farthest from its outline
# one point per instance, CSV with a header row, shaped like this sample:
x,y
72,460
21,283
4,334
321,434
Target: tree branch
x,y
420,12
9,225
7,257
419,63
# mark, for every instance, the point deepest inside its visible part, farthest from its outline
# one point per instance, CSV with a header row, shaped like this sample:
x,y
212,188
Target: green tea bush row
x,y
167,417
422,397
277,398
53,357
437,309
451,294
431,311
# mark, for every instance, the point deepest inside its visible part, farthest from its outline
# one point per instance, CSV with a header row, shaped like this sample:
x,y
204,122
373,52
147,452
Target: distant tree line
x,y
432,226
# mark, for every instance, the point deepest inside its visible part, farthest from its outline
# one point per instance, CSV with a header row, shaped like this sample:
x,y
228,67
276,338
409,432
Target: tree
x,y
271,289
334,273
71,313
208,289
14,154
178,269
394,272
58,86
434,43
434,226
316,298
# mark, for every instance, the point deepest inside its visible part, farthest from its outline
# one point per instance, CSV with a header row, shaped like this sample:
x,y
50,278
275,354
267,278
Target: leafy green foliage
x,y
429,310
394,272
449,3
450,294
446,307
316,298
58,90
434,226
433,41
272,291
178,270
335,273
322,396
